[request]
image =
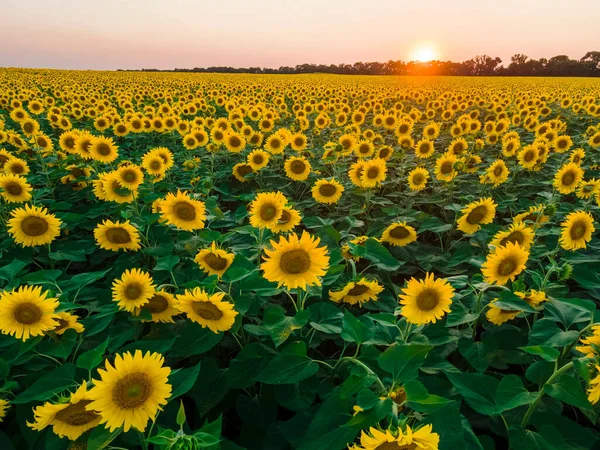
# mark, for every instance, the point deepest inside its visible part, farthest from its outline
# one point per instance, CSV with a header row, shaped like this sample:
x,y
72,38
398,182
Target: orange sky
x,y
135,34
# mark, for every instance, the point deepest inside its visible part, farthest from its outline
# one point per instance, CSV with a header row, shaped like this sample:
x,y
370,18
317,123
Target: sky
x,y
135,34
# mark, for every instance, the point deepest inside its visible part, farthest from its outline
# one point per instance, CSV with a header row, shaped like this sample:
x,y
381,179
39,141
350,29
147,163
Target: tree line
x,y
481,65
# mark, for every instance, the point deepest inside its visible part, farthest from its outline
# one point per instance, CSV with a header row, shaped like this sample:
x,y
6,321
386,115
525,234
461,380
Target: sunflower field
x,y
312,262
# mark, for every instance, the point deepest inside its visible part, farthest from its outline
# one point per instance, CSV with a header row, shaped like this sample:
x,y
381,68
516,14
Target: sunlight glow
x,y
424,52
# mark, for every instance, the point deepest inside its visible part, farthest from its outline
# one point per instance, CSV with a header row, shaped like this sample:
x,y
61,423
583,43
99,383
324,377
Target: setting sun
x,y
424,52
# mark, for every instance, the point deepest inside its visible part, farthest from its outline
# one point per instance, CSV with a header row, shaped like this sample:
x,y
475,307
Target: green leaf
x,y
182,380
42,276
511,394
180,414
85,279
353,330
288,368
166,263
569,390
545,332
49,384
358,380
373,251
548,438
510,302
93,357
101,437
194,340
548,353
246,366
10,271
403,360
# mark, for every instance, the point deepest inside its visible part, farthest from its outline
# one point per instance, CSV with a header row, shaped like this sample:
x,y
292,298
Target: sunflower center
x,y
27,313
215,262
364,149
358,289
155,165
28,127
17,168
103,149
327,190
133,291
244,170
507,266
268,212
297,167
76,415
373,173
129,176
13,188
62,323
299,142
383,153
446,167
132,390
258,159
477,215
235,141
207,310
424,149
285,217
418,179
118,236
77,172
578,230
295,262
427,300
34,226
399,232
515,237
184,211
158,304
568,178
528,156
498,171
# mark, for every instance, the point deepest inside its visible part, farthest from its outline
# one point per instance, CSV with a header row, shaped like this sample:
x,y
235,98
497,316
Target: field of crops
x,y
306,262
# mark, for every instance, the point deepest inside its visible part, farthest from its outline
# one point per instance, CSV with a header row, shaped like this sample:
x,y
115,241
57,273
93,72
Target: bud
x,y
565,272
550,210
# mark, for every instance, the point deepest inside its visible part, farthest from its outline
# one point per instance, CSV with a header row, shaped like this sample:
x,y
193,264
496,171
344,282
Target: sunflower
x,y
297,168
240,171
298,142
275,144
214,261
114,191
234,142
444,167
182,211
133,290
588,188
356,171
426,300
399,234
83,144
67,321
528,157
210,311
16,166
562,144
504,263
130,176
117,236
327,192
266,209
295,262
32,225
374,172
15,188
517,233
534,214
497,315
424,148
132,392
258,159
26,312
4,405
577,230
533,297
591,343
497,173
421,439
567,178
161,307
431,131
417,179
70,419
594,388
354,292
166,155
475,214
364,149
103,149
289,219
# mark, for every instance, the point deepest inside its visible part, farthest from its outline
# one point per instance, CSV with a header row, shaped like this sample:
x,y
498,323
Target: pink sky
x,y
164,34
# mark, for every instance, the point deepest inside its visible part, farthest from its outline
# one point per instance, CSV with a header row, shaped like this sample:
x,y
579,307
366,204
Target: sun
x,y
424,52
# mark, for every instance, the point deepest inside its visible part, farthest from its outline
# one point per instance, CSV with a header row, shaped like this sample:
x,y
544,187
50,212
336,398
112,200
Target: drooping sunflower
x,y
132,392
27,312
161,307
518,233
103,149
117,236
374,172
504,263
210,311
67,321
15,188
240,171
32,225
296,262
70,419
444,167
567,178
426,300
399,234
497,315
213,260
130,176
182,211
422,439
297,168
266,209
354,292
417,179
289,219
133,290
577,230
475,214
4,405
533,297
327,191
258,159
